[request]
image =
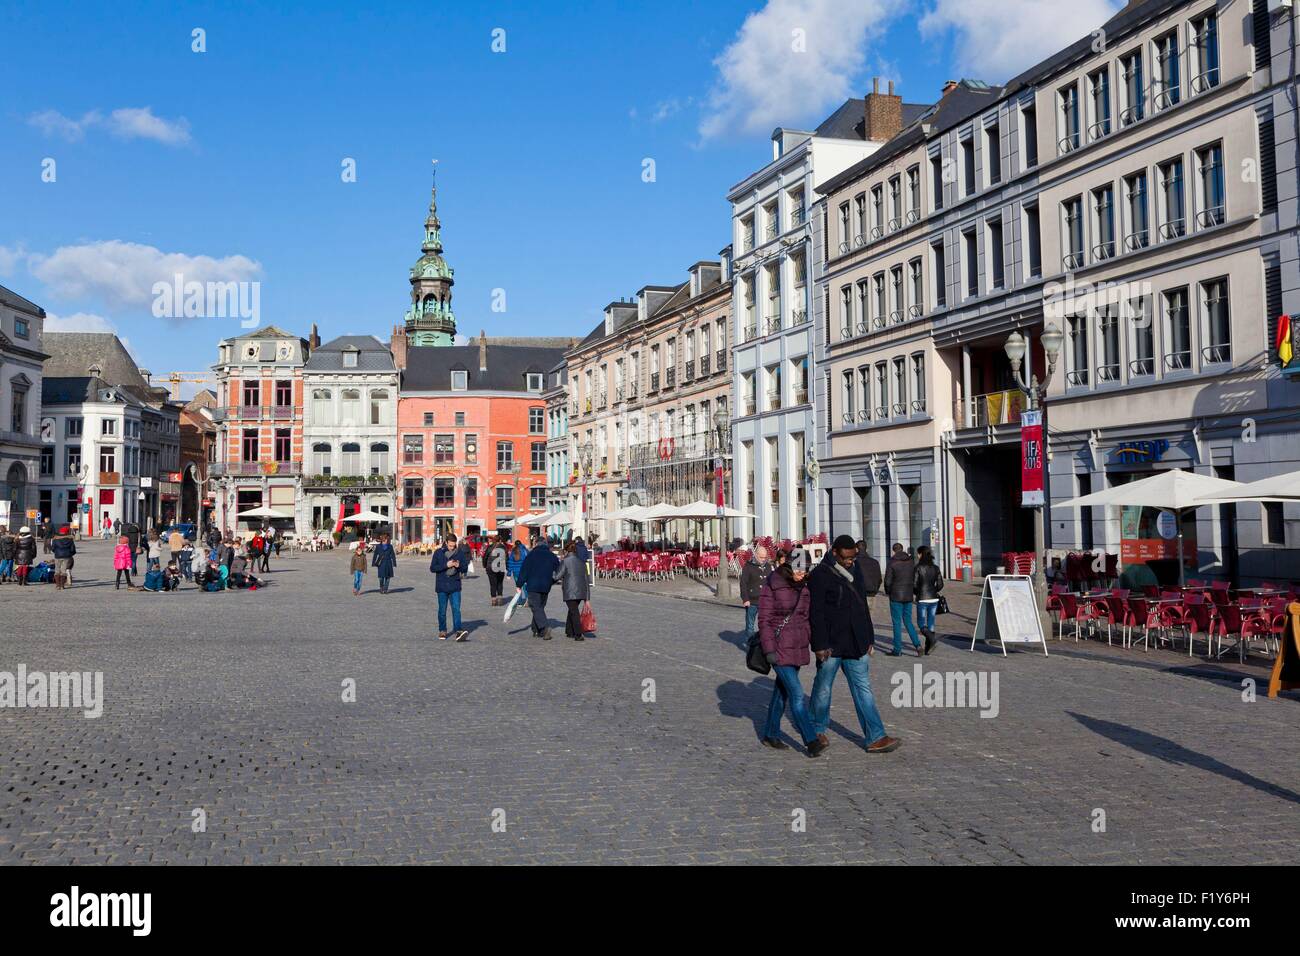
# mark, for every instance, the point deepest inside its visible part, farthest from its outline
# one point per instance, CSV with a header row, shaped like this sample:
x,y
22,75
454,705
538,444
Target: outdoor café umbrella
x,y
262,512
1175,491
368,517
708,511
1278,488
556,517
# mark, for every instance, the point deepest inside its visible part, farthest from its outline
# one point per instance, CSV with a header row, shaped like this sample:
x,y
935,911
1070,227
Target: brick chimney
x,y
314,340
397,345
482,350
948,87
884,113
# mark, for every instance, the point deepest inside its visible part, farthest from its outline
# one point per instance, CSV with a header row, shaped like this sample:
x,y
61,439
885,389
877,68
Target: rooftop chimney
x,y
948,87
884,113
314,340
482,350
397,345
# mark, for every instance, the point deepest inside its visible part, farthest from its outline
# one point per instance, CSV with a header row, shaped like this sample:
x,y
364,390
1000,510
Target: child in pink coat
x,y
122,562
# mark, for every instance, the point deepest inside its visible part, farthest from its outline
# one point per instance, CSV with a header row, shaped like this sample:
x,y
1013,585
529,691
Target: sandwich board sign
x,y
1009,612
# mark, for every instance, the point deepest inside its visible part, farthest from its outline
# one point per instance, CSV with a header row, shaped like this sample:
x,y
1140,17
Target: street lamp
x,y
721,427
1015,348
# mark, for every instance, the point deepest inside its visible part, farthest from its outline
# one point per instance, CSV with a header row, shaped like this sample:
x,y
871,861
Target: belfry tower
x,y
430,321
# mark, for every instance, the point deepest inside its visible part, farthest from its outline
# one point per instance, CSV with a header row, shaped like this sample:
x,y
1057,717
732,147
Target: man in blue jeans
x,y
752,576
842,637
450,562
900,587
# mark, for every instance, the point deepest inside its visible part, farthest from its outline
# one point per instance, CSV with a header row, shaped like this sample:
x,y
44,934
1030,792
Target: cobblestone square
x,y
508,749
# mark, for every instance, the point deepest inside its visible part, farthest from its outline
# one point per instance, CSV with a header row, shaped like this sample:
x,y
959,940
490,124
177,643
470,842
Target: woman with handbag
x,y
785,631
571,575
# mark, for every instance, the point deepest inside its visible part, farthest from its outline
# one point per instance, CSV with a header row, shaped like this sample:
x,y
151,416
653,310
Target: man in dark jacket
x,y
24,553
870,569
132,532
8,543
900,585
64,547
450,563
537,574
842,637
752,577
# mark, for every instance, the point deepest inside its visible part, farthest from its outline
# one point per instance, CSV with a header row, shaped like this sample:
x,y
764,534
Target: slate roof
x,y
372,355
72,354
429,368
849,121
76,389
16,301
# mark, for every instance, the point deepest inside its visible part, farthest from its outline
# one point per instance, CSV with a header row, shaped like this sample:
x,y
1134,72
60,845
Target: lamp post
x,y
1015,348
721,429
584,455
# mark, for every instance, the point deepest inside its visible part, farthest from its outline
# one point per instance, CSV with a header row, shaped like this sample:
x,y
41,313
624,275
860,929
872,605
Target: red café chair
x,y
1151,590
1139,613
1092,608
1226,620
1074,571
1063,606
1169,614
1114,608
1197,613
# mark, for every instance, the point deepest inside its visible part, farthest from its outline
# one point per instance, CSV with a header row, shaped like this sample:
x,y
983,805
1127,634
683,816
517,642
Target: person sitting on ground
x,y
171,577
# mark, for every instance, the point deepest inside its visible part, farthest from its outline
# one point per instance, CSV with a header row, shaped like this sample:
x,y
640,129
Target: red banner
x,y
1031,459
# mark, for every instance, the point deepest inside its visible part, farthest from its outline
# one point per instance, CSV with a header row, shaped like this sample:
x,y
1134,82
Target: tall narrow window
x,y
1076,329
1218,327
970,253
1178,331
913,194
917,282
1033,243
1108,367
936,181
939,270
918,382
1168,83
1103,221
997,278
968,165
1143,338
1209,163
993,153
1029,134
1068,118
1099,103
1173,221
1072,215
1137,218
847,400
1133,93
1204,49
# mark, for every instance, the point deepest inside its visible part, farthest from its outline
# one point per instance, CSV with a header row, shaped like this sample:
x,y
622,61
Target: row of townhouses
x,y
1116,226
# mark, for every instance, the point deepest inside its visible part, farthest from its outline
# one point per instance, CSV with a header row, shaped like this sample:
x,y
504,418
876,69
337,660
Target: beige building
x,y
648,391
1138,194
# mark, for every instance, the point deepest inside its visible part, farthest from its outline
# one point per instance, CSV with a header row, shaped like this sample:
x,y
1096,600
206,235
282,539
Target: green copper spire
x,y
430,320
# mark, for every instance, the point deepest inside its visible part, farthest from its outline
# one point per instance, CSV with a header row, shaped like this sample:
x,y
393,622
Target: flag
x,y
1283,343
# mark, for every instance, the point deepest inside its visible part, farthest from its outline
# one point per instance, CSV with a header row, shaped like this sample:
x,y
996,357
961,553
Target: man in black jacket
x,y
842,637
900,585
64,549
752,576
870,569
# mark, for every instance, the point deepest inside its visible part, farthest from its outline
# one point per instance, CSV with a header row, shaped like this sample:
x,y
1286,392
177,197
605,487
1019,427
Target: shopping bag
x,y
513,606
588,618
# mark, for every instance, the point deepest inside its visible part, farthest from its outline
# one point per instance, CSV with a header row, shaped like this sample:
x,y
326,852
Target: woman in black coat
x,y
385,561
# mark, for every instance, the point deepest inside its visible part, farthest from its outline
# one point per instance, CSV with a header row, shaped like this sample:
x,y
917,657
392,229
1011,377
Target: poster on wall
x,y
1031,459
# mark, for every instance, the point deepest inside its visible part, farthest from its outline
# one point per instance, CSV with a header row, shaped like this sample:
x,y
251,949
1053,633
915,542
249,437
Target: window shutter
x,y
1262,35
1267,163
1273,305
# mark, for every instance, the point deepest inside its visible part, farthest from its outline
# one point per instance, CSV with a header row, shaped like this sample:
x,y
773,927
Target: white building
x,y
775,262
21,358
349,431
91,452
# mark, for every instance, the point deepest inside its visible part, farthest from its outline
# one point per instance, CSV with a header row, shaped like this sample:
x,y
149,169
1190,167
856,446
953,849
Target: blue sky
x,y
227,163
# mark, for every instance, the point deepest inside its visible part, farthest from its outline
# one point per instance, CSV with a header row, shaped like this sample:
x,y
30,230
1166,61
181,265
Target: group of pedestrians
x,y
17,555
383,558
800,614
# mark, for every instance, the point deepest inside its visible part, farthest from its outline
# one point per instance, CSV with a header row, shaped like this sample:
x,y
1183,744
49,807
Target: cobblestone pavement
x,y
232,703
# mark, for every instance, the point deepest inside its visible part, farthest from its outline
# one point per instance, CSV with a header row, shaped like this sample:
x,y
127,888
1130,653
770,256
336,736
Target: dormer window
x,y
534,381
21,328
459,380
350,358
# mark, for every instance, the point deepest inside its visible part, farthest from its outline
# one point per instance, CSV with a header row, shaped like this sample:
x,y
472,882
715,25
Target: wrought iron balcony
x,y
359,482
654,381
722,360
690,371
704,365
254,468
670,377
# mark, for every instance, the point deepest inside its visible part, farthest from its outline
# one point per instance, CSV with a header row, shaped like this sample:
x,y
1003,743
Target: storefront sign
x,y
174,476
1031,459
958,530
1141,452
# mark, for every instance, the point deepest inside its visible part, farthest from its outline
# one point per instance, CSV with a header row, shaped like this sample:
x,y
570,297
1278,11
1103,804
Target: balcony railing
x,y
690,371
991,408
1214,216
670,377
573,408
799,316
601,401
801,396
698,445
772,323
654,381
618,394
770,231
348,481
1173,229
773,400
251,468
704,365
722,360
1137,240
283,412
751,332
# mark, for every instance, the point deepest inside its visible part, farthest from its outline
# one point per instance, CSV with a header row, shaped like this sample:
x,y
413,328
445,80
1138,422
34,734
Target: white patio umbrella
x,y
529,519
1174,491
368,517
262,512
556,517
704,510
1278,488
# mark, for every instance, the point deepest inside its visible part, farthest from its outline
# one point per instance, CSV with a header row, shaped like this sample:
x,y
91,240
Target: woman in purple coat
x,y
785,633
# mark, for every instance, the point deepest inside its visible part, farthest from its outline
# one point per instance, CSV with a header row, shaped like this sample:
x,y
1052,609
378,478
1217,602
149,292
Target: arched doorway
x,y
14,491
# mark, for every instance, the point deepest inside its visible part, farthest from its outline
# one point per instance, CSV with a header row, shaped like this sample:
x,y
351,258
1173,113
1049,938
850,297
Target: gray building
x,y
21,358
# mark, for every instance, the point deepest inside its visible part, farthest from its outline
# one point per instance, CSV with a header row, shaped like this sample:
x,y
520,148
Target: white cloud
x,y
78,322
10,256
766,79
133,122
995,40
122,274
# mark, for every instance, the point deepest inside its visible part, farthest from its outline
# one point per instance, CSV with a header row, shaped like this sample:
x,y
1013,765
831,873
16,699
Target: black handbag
x,y
755,656
942,606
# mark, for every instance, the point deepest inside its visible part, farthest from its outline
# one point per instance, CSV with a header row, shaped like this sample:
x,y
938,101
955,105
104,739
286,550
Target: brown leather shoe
x,y
884,745
824,739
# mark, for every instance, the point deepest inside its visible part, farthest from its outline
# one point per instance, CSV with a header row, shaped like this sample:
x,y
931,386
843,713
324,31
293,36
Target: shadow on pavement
x,y
1167,750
